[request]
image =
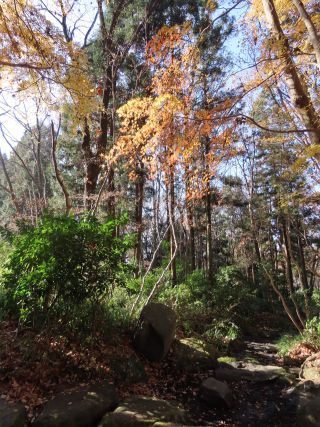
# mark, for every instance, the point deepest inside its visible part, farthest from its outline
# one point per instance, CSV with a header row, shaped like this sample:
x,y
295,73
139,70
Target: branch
x,y
89,31
252,120
24,65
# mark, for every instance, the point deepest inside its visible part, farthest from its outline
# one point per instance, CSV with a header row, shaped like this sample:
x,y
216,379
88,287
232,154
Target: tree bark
x,y
314,39
139,194
10,186
57,172
210,272
173,248
296,87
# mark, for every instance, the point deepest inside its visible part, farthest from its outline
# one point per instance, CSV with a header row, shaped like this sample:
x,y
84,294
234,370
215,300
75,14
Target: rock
x,y
236,345
155,331
82,408
238,371
12,414
312,373
215,393
144,411
128,370
308,414
305,399
192,355
310,369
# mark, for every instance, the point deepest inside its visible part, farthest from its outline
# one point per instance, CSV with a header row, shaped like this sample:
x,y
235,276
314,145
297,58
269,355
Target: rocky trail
x,y
188,385
259,384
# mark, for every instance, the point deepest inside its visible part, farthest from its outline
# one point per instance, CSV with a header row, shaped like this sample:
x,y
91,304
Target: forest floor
x,y
255,403
34,367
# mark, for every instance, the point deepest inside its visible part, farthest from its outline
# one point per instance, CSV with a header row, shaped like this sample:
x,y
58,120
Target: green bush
x,y
221,333
287,342
62,263
310,336
311,333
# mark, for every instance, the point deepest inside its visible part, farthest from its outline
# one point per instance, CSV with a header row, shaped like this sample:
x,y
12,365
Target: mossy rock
x,y
82,408
194,354
144,411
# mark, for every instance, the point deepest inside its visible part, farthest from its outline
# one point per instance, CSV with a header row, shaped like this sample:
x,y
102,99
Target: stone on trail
x,y
155,331
12,414
215,393
305,398
82,408
311,368
144,411
308,414
192,355
239,371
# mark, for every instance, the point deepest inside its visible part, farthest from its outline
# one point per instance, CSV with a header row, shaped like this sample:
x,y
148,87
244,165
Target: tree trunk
x,y
191,260
289,274
171,203
10,186
210,272
311,29
296,87
57,172
139,194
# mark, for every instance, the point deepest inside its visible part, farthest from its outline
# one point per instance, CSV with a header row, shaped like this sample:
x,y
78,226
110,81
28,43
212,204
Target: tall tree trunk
x,y
9,183
208,217
296,87
173,248
303,269
289,274
139,194
192,246
59,177
313,37
191,260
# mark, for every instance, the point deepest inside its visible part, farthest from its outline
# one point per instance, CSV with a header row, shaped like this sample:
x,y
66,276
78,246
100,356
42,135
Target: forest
x,y
159,213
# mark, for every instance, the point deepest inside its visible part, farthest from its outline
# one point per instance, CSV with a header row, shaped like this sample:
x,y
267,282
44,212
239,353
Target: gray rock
x,y
155,331
12,414
83,408
308,414
305,399
310,369
215,393
239,371
144,411
192,355
312,373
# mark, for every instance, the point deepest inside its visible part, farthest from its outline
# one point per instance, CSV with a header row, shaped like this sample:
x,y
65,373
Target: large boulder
x,y
12,414
308,414
194,354
144,411
305,399
155,331
83,408
310,369
215,393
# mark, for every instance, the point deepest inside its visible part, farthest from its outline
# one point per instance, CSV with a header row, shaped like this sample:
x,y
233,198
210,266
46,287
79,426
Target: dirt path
x,y
261,404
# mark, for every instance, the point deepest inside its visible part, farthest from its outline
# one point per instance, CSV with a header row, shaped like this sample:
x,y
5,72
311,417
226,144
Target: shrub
x,y
311,334
221,333
63,262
